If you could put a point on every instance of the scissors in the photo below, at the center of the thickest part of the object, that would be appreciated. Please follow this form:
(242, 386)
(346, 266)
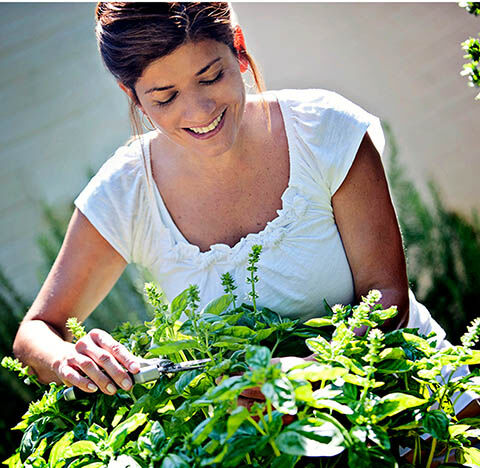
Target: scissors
(150, 370)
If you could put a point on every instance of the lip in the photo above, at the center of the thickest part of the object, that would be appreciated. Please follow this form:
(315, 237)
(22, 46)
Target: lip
(212, 133)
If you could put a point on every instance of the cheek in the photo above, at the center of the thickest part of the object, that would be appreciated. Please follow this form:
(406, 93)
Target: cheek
(233, 86)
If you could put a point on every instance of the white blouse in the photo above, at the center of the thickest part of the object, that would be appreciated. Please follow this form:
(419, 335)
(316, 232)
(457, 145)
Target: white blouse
(302, 261)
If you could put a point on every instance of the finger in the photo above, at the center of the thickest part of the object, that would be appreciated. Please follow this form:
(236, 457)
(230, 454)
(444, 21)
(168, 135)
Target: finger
(101, 362)
(93, 371)
(72, 378)
(118, 350)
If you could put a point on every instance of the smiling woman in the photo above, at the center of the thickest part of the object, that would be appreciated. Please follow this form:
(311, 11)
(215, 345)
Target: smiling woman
(293, 170)
(192, 94)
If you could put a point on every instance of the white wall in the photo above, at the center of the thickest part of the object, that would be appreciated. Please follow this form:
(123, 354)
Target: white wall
(401, 61)
(61, 112)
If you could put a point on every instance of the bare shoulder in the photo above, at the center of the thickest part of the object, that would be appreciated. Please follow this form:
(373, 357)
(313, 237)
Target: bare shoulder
(256, 110)
(160, 144)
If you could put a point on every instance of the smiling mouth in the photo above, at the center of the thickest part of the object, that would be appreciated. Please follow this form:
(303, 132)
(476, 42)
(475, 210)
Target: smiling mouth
(209, 128)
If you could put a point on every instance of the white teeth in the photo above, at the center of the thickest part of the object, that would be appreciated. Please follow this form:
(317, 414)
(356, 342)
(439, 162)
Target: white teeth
(211, 127)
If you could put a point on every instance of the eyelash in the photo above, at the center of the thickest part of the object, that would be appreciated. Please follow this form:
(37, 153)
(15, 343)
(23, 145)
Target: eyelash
(204, 82)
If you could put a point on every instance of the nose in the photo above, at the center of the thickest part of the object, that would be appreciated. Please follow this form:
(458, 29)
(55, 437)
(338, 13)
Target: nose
(199, 109)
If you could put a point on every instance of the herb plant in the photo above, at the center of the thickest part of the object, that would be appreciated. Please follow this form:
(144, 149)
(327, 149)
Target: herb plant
(364, 401)
(471, 46)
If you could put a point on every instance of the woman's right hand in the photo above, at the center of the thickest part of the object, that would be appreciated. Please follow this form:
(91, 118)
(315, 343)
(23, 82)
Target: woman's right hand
(95, 362)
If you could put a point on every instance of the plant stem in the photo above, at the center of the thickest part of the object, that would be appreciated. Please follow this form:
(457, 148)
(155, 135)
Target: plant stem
(275, 449)
(66, 418)
(365, 390)
(275, 346)
(132, 395)
(253, 294)
(210, 355)
(415, 452)
(406, 381)
(256, 426)
(447, 455)
(432, 451)
(249, 461)
(261, 418)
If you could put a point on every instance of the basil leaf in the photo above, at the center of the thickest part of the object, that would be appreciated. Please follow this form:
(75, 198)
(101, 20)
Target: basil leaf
(170, 347)
(436, 422)
(235, 420)
(218, 305)
(395, 403)
(117, 437)
(258, 357)
(174, 461)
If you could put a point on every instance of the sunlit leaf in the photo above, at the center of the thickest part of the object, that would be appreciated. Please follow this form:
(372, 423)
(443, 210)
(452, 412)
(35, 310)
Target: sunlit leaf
(235, 419)
(315, 372)
(117, 437)
(82, 447)
(394, 403)
(332, 404)
(218, 305)
(60, 446)
(170, 347)
(319, 322)
(312, 441)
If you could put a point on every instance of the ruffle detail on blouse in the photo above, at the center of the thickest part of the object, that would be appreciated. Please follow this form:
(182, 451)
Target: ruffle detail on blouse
(294, 208)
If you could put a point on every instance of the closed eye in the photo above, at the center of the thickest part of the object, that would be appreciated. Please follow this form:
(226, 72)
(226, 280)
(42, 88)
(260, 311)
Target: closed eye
(168, 101)
(205, 82)
(217, 78)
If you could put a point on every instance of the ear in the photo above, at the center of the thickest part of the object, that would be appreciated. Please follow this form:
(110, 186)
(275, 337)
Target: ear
(239, 44)
(129, 93)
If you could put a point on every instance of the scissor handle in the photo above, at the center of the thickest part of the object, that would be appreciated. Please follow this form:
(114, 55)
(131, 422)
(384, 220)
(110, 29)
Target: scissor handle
(146, 374)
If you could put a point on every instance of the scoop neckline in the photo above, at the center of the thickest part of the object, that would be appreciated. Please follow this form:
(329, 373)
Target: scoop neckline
(157, 196)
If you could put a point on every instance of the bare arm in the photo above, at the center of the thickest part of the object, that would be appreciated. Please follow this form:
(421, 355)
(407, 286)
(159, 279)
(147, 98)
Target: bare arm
(84, 272)
(368, 226)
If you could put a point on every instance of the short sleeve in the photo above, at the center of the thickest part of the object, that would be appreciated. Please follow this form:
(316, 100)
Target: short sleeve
(114, 202)
(346, 125)
(332, 128)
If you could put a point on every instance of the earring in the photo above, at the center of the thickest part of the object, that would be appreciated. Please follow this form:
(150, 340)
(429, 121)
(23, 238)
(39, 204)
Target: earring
(151, 123)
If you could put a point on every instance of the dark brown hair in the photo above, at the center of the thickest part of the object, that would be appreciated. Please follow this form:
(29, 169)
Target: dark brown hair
(131, 35)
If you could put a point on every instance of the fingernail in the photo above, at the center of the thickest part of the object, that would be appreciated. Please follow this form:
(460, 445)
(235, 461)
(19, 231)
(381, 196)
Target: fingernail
(111, 388)
(126, 384)
(92, 387)
(134, 367)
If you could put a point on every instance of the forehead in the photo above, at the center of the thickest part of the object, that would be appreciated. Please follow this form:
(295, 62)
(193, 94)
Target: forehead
(183, 63)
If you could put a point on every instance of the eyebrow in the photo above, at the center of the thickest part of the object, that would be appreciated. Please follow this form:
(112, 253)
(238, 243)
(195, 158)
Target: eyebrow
(200, 72)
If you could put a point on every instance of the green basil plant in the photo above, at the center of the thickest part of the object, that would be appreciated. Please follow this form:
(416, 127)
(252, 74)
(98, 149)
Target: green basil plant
(381, 399)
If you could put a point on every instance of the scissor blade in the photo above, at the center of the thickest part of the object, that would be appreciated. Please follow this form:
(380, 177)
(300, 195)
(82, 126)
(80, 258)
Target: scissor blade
(188, 365)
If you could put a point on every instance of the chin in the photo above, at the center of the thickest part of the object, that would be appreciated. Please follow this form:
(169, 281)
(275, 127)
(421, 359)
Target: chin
(213, 148)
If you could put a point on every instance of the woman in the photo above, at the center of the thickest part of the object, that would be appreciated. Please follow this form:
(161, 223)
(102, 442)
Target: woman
(295, 171)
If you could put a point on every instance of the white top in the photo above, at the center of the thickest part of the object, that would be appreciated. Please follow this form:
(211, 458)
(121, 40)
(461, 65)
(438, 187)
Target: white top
(303, 260)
